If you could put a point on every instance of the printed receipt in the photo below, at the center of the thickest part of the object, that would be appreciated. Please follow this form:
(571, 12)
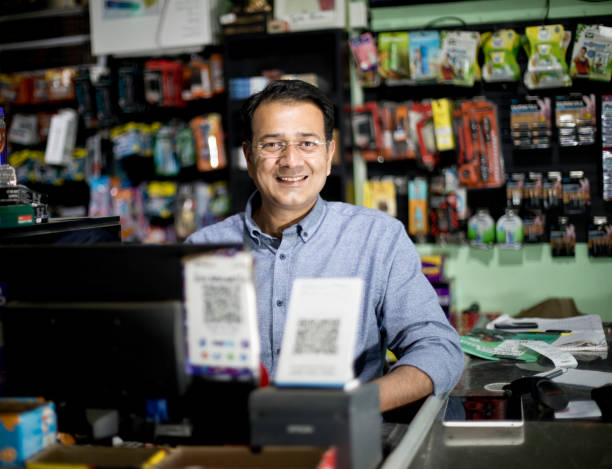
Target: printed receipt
(320, 333)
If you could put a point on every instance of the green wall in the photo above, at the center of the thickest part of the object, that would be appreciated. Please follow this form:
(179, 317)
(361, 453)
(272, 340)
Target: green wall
(509, 281)
(482, 12)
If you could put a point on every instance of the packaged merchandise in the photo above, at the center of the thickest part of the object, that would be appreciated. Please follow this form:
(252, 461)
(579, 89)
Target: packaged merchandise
(514, 191)
(509, 230)
(366, 122)
(417, 207)
(208, 137)
(481, 163)
(380, 195)
(85, 96)
(600, 237)
(530, 122)
(394, 55)
(130, 86)
(163, 83)
(104, 93)
(562, 238)
(576, 193)
(576, 120)
(500, 49)
(365, 55)
(481, 229)
(606, 142)
(421, 125)
(534, 227)
(458, 58)
(28, 426)
(533, 192)
(164, 154)
(442, 110)
(197, 79)
(216, 73)
(592, 52)
(546, 46)
(424, 55)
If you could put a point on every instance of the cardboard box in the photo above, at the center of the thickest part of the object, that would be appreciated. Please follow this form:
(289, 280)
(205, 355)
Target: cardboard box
(28, 426)
(242, 457)
(95, 457)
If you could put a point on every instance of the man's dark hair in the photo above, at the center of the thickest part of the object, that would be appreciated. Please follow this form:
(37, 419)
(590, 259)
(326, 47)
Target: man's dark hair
(289, 91)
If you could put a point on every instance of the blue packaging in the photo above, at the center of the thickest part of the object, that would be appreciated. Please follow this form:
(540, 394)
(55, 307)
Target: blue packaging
(27, 425)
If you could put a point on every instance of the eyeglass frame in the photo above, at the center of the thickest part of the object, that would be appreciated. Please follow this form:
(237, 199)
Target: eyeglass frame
(287, 144)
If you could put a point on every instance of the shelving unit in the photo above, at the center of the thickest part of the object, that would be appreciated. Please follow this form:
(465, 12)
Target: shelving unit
(320, 52)
(586, 158)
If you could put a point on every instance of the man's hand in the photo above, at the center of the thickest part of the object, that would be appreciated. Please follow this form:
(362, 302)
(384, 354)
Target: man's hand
(405, 384)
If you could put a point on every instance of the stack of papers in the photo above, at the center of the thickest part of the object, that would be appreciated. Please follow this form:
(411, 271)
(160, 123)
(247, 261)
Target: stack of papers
(526, 338)
(582, 333)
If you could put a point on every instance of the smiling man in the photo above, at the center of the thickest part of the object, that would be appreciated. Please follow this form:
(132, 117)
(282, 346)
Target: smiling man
(293, 233)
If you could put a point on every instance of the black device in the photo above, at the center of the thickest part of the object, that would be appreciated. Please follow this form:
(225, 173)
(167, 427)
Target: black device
(546, 393)
(102, 326)
(347, 419)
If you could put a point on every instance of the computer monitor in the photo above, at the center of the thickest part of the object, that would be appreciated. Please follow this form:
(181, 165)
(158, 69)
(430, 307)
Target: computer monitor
(103, 326)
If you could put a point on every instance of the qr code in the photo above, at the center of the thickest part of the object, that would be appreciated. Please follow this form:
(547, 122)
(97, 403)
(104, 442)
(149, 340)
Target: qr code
(317, 336)
(222, 303)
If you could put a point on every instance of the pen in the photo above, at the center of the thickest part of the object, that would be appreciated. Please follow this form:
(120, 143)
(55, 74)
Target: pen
(554, 373)
(517, 325)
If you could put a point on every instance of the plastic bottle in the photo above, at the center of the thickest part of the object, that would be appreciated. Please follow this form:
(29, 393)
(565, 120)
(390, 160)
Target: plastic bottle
(481, 229)
(509, 230)
(8, 177)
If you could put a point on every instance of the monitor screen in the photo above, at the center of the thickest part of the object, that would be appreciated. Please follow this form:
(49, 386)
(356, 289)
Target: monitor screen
(103, 326)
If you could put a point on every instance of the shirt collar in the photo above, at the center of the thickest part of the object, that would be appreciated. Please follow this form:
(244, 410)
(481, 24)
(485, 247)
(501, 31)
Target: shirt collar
(305, 228)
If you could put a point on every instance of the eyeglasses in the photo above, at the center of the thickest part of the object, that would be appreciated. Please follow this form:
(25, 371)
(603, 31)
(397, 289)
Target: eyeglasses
(275, 148)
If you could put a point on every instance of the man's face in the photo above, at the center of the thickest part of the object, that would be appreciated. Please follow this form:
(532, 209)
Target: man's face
(292, 181)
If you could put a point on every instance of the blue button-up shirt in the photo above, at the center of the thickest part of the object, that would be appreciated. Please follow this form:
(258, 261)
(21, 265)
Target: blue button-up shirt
(400, 310)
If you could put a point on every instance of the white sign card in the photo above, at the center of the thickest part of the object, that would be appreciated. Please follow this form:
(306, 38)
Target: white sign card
(319, 340)
(222, 332)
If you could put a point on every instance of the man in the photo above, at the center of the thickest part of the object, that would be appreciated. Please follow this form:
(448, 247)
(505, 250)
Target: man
(293, 233)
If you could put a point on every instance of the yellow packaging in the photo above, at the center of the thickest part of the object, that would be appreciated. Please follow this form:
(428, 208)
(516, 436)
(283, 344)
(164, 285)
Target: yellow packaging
(443, 123)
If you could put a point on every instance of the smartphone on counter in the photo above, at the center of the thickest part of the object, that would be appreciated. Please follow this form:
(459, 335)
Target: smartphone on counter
(480, 420)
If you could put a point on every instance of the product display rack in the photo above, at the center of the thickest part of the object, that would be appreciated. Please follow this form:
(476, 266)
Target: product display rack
(586, 158)
(322, 53)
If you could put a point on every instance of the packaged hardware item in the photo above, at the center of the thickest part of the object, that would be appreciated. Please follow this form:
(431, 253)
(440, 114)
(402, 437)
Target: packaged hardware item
(458, 58)
(592, 52)
(393, 55)
(534, 227)
(208, 136)
(576, 119)
(514, 191)
(29, 425)
(130, 87)
(365, 55)
(562, 238)
(606, 143)
(533, 191)
(600, 237)
(421, 125)
(509, 230)
(417, 207)
(530, 122)
(442, 110)
(380, 195)
(367, 131)
(197, 79)
(546, 46)
(500, 49)
(481, 163)
(576, 193)
(481, 229)
(424, 55)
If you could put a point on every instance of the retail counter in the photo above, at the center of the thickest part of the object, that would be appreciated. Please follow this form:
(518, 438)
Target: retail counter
(542, 441)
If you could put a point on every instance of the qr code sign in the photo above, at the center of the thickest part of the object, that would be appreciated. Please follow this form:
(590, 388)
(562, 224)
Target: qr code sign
(317, 336)
(222, 303)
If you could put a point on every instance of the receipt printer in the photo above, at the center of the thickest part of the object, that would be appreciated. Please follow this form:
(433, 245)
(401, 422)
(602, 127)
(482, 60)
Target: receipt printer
(349, 420)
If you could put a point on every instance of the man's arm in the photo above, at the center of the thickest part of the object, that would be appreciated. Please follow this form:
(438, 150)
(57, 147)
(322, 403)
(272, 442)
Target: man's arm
(403, 385)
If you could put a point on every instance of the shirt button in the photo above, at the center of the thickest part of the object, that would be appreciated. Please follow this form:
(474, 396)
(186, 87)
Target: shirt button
(279, 303)
(305, 234)
(282, 257)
